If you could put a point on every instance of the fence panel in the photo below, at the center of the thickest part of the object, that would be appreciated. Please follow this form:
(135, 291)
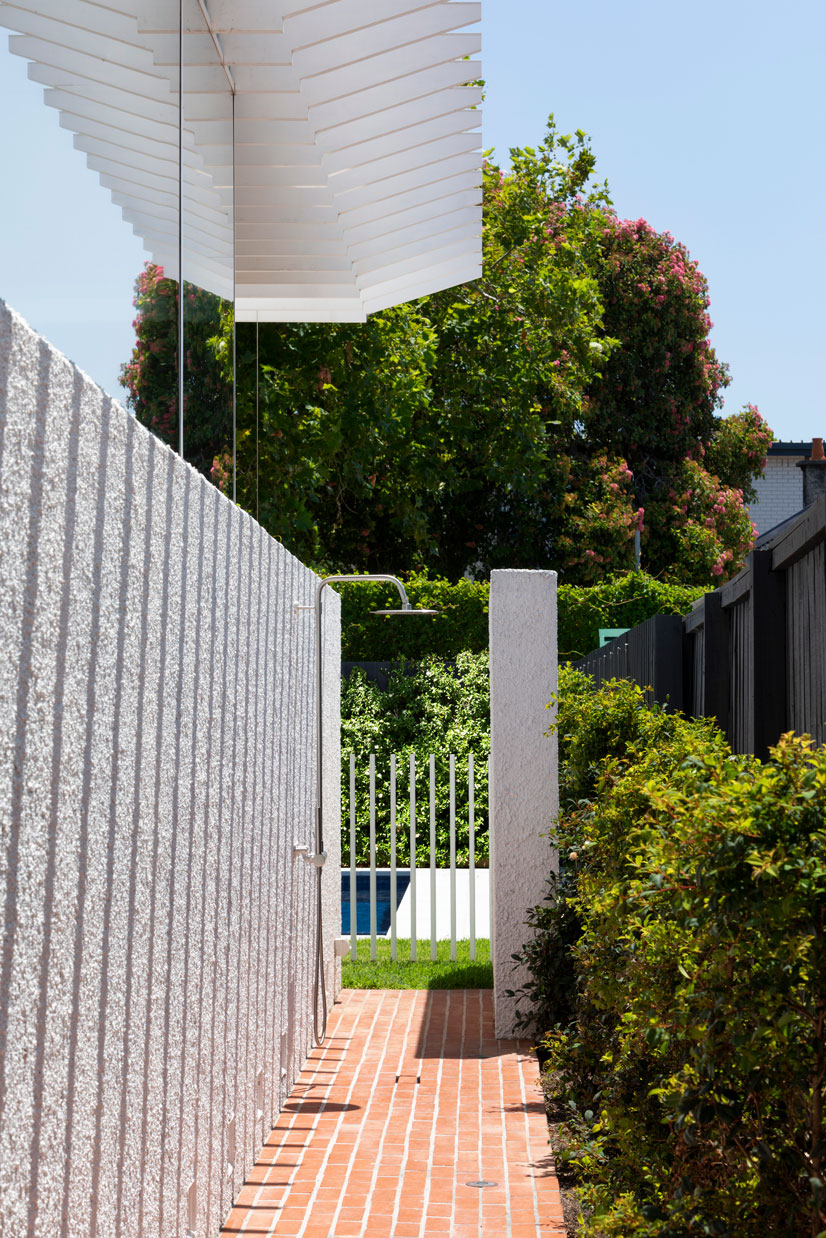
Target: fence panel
(806, 631)
(452, 857)
(655, 658)
(392, 892)
(373, 899)
(801, 555)
(393, 885)
(741, 730)
(650, 654)
(706, 660)
(696, 690)
(768, 649)
(754, 603)
(609, 662)
(433, 929)
(353, 879)
(752, 654)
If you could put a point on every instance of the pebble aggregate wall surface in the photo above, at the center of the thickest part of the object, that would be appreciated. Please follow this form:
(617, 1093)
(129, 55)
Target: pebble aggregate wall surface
(157, 753)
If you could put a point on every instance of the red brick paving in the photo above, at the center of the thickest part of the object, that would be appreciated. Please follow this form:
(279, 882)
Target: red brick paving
(410, 1098)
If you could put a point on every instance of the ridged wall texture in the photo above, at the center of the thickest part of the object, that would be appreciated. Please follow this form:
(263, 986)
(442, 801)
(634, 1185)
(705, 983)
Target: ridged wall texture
(157, 752)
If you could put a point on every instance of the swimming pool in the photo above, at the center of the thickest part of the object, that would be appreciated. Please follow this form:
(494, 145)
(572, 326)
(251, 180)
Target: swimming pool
(363, 900)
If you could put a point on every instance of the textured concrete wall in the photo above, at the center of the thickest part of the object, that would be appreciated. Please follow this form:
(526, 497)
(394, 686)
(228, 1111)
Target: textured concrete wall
(524, 785)
(779, 492)
(156, 764)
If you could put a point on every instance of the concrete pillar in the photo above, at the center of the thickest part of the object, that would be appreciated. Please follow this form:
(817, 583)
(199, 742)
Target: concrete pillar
(524, 785)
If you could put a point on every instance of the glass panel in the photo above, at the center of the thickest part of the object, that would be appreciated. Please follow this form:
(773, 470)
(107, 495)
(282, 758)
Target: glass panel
(69, 257)
(250, 388)
(148, 192)
(252, 152)
(208, 252)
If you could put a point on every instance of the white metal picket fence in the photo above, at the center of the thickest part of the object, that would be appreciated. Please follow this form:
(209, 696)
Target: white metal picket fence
(432, 872)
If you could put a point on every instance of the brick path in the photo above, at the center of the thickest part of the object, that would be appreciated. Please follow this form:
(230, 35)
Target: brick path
(411, 1098)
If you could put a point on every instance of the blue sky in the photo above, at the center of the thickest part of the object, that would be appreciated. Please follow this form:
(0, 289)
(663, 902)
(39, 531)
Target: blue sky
(707, 119)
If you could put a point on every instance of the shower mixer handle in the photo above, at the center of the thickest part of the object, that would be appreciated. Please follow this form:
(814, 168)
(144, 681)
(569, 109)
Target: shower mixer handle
(317, 860)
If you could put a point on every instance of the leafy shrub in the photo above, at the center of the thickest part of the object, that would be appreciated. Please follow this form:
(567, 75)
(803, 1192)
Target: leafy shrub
(615, 602)
(692, 916)
(439, 709)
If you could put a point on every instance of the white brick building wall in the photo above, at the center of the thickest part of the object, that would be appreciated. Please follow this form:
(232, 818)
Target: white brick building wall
(779, 493)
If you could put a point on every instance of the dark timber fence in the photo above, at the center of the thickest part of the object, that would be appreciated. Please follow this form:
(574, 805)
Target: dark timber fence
(752, 654)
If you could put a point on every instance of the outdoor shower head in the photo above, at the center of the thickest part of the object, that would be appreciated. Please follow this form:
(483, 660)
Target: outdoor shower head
(404, 610)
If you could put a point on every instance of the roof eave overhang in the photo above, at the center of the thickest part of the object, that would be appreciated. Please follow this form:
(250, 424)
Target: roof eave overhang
(331, 161)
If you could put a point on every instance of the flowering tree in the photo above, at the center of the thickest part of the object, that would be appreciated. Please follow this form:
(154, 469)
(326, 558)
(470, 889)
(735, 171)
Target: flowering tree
(737, 450)
(601, 519)
(654, 405)
(151, 374)
(656, 396)
(537, 417)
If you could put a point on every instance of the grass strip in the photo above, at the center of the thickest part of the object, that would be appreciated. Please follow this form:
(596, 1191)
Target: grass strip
(444, 973)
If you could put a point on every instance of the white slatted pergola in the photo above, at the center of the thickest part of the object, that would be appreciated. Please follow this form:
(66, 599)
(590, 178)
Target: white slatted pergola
(330, 151)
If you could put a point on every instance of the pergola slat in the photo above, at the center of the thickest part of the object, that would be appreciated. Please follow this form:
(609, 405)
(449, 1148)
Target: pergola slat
(352, 165)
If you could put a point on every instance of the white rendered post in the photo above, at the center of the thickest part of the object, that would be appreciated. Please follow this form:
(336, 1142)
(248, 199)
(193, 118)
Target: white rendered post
(524, 786)
(331, 773)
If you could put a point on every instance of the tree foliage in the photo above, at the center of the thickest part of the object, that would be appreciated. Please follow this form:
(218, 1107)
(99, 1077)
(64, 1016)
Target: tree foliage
(657, 395)
(427, 437)
(346, 452)
(151, 374)
(536, 417)
(653, 407)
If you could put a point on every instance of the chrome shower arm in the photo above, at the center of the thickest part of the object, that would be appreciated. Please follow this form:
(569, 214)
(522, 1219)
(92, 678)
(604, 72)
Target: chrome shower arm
(356, 579)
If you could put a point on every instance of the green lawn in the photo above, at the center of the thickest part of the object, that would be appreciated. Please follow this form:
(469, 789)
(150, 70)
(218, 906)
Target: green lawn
(443, 974)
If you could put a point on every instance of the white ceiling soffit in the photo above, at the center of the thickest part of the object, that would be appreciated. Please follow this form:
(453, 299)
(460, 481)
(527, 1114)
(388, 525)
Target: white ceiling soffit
(357, 140)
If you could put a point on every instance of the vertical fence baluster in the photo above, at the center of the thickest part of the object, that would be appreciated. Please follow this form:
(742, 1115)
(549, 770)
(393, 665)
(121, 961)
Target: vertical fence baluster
(353, 890)
(432, 858)
(393, 857)
(372, 857)
(412, 859)
(471, 833)
(490, 870)
(453, 857)
(471, 774)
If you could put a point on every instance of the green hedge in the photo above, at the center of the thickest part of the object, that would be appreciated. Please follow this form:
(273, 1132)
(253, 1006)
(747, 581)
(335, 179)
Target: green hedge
(688, 929)
(461, 626)
(617, 602)
(439, 709)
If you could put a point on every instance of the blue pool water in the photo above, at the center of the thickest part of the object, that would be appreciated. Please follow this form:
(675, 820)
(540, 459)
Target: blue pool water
(363, 900)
